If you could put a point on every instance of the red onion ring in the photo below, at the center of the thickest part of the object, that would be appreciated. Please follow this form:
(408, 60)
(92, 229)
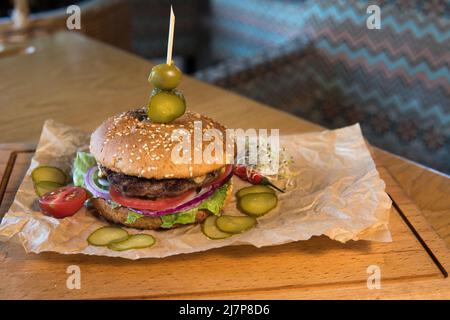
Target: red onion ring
(92, 187)
(206, 192)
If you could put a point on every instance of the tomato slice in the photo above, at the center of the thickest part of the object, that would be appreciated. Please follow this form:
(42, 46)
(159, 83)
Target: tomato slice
(164, 203)
(226, 174)
(153, 205)
(63, 202)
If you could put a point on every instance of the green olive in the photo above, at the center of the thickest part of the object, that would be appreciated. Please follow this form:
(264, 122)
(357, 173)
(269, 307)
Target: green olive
(165, 77)
(257, 204)
(155, 91)
(166, 106)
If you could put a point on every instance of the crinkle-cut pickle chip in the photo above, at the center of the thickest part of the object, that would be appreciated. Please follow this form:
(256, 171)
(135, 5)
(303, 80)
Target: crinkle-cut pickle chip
(106, 235)
(44, 187)
(257, 204)
(259, 188)
(48, 173)
(136, 241)
(209, 229)
(235, 224)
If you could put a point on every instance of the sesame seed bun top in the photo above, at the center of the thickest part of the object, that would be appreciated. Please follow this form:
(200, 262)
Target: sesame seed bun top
(132, 144)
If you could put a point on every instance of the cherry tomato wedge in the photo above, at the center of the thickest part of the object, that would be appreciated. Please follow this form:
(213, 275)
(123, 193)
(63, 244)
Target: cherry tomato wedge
(154, 205)
(63, 202)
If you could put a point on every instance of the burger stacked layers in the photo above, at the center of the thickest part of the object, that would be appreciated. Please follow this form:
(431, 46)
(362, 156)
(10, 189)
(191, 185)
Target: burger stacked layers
(146, 187)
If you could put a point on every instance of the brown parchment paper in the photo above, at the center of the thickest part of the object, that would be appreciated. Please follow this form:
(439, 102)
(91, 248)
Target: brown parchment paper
(337, 192)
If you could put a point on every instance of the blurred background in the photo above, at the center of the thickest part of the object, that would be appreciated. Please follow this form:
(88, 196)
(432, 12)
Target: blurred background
(315, 59)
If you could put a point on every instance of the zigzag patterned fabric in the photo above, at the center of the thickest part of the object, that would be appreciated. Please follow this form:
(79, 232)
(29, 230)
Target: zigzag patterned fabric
(334, 71)
(150, 21)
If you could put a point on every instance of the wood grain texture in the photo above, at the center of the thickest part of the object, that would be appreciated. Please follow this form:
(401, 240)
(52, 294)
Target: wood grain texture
(318, 268)
(80, 82)
(14, 161)
(428, 189)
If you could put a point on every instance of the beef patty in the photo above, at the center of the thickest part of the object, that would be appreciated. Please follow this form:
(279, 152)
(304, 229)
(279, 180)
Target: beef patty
(132, 186)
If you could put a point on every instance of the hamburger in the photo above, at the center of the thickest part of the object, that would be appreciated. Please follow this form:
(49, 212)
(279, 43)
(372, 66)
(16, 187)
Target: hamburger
(137, 184)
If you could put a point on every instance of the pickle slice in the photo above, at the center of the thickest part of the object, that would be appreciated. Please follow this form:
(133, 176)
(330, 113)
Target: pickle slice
(136, 241)
(209, 229)
(47, 173)
(259, 188)
(107, 235)
(235, 224)
(46, 186)
(257, 204)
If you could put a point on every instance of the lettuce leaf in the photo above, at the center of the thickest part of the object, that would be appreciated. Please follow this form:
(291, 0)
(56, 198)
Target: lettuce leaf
(82, 163)
(213, 204)
(184, 217)
(113, 204)
(132, 217)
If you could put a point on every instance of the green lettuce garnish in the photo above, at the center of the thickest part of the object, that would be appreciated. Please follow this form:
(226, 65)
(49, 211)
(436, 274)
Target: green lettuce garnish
(132, 217)
(82, 163)
(184, 217)
(114, 204)
(213, 204)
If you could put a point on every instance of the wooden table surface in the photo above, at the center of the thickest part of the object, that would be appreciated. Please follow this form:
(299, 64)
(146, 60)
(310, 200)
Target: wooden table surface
(80, 82)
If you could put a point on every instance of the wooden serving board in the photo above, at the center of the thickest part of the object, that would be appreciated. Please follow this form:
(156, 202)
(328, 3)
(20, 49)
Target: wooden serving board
(414, 265)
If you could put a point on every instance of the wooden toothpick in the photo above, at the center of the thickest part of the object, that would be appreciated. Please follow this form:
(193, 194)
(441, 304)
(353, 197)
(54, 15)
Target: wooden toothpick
(170, 41)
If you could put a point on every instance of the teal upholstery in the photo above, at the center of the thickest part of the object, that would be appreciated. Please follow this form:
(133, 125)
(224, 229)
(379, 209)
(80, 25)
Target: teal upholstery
(333, 70)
